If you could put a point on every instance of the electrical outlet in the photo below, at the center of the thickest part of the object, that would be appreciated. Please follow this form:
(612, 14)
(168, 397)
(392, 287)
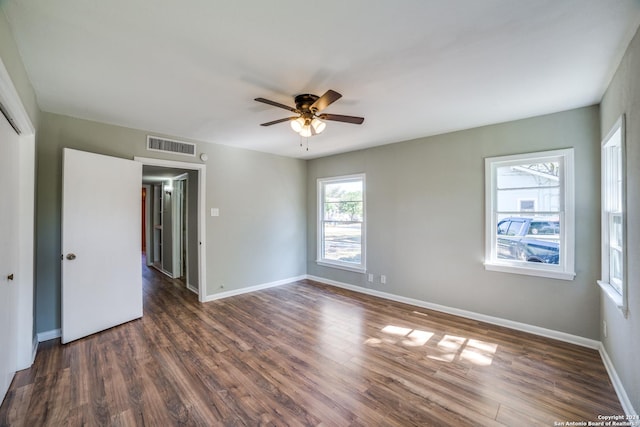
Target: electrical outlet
(370, 277)
(604, 328)
(383, 279)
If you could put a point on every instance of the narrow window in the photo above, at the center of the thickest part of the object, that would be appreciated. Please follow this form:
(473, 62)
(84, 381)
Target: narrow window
(529, 218)
(341, 222)
(613, 215)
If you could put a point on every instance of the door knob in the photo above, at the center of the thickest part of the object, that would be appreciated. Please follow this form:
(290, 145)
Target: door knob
(71, 257)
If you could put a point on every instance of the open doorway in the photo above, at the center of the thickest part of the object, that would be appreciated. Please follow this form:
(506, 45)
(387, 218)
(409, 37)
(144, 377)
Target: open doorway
(173, 220)
(170, 222)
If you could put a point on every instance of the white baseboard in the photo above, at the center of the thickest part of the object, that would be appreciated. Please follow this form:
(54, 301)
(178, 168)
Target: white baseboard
(49, 335)
(235, 292)
(549, 333)
(34, 349)
(617, 384)
(536, 330)
(163, 271)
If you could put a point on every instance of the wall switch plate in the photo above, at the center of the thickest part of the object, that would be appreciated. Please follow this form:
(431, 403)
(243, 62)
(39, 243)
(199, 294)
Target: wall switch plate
(383, 279)
(604, 328)
(370, 277)
(215, 212)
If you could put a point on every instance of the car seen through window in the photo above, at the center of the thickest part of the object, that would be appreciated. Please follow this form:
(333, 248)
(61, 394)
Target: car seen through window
(529, 239)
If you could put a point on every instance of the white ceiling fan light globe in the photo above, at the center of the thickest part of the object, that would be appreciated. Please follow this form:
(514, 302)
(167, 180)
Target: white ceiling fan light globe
(318, 125)
(297, 124)
(306, 131)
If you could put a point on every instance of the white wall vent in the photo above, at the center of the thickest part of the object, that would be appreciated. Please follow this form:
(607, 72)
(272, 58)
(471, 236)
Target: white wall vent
(170, 146)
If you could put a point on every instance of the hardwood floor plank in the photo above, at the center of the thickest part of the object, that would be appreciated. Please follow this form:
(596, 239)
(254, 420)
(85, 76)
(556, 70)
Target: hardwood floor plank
(17, 404)
(305, 390)
(45, 409)
(305, 354)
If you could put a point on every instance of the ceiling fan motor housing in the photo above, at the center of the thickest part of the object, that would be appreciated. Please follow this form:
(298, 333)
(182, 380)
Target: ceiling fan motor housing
(305, 101)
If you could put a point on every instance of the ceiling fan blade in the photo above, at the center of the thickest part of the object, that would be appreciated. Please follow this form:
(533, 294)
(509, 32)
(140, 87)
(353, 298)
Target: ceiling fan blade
(325, 100)
(279, 121)
(340, 118)
(276, 104)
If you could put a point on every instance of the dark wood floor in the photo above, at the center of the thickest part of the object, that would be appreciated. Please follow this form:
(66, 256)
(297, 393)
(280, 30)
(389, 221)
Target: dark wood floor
(305, 354)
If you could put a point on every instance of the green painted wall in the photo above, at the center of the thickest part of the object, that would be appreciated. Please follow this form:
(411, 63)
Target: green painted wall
(623, 340)
(258, 238)
(425, 221)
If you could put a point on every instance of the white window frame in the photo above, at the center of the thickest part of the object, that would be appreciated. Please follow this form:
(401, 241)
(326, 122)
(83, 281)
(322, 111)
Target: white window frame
(614, 288)
(565, 270)
(360, 268)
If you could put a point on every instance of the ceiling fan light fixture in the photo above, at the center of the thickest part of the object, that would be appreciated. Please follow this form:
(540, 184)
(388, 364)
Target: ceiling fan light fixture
(306, 131)
(309, 121)
(297, 124)
(318, 125)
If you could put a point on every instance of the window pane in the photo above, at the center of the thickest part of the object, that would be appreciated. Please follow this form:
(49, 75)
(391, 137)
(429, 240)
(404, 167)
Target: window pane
(343, 201)
(342, 241)
(615, 251)
(343, 191)
(528, 239)
(528, 187)
(528, 175)
(343, 211)
(547, 199)
(615, 231)
(613, 177)
(615, 267)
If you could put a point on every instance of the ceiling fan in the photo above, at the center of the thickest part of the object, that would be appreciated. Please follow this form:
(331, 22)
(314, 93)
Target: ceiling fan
(308, 122)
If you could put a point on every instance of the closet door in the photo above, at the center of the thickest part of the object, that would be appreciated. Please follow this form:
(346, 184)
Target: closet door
(8, 247)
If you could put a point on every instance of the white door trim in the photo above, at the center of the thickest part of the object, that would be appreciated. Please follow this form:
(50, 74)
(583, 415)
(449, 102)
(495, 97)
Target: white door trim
(13, 104)
(26, 345)
(202, 247)
(148, 220)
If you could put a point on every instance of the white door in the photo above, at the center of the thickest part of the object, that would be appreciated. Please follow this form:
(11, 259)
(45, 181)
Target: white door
(101, 232)
(8, 248)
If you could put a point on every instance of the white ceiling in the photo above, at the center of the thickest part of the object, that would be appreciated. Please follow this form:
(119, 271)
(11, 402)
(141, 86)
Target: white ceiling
(412, 68)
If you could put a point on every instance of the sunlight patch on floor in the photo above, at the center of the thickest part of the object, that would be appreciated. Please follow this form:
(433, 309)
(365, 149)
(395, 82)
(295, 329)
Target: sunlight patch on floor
(448, 349)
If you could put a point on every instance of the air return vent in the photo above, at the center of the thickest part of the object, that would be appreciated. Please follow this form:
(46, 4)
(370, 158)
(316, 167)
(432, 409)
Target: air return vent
(170, 146)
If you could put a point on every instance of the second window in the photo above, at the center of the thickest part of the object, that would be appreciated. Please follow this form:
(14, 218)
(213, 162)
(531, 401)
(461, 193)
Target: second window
(341, 222)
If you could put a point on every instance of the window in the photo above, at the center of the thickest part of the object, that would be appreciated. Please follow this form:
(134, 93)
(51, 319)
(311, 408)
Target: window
(613, 215)
(341, 222)
(530, 214)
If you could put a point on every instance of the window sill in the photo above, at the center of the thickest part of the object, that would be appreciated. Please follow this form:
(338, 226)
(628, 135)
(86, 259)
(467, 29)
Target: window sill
(355, 269)
(613, 295)
(562, 275)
